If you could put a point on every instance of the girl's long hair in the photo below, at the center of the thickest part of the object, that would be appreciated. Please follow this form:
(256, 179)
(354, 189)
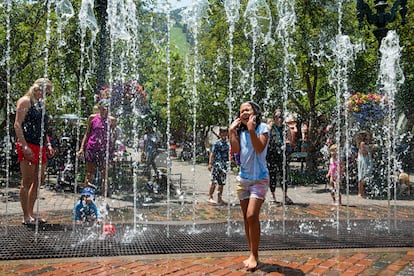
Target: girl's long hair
(257, 112)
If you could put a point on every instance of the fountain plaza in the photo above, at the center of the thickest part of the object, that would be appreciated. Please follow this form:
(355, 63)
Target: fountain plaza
(370, 237)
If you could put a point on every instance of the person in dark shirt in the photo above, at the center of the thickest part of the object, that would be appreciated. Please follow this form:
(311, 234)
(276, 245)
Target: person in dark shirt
(32, 145)
(274, 157)
(217, 165)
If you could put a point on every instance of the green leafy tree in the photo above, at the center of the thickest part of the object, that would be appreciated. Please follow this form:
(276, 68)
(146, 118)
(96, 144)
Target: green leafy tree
(405, 96)
(309, 89)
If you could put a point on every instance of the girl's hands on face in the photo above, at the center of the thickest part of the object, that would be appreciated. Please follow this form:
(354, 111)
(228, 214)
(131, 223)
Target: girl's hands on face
(235, 124)
(247, 116)
(246, 111)
(251, 123)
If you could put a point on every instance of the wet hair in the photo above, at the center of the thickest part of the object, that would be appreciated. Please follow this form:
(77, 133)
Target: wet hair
(223, 130)
(333, 148)
(256, 111)
(104, 102)
(40, 84)
(105, 93)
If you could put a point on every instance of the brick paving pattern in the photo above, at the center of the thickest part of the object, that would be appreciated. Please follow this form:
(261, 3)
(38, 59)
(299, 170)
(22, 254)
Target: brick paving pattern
(309, 203)
(347, 262)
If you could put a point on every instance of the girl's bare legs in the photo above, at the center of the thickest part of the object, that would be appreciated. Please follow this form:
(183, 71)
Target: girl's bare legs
(103, 180)
(220, 194)
(34, 188)
(251, 210)
(361, 189)
(90, 171)
(211, 192)
(29, 186)
(332, 190)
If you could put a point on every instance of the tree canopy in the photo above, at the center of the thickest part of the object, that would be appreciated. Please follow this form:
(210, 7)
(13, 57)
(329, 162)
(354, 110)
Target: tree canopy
(268, 68)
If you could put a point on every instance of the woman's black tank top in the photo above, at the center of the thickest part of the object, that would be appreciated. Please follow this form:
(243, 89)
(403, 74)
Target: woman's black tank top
(32, 125)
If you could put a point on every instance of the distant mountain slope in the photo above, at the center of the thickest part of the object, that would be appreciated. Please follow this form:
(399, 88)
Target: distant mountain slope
(179, 39)
(179, 35)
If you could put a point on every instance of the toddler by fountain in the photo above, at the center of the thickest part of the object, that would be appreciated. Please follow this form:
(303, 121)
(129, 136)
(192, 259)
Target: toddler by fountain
(334, 174)
(85, 208)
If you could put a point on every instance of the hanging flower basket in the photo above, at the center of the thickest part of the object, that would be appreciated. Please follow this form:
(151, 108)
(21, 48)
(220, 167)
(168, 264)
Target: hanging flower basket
(367, 108)
(124, 93)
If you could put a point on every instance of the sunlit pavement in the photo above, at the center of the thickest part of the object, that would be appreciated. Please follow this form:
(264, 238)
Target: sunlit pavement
(309, 201)
(389, 261)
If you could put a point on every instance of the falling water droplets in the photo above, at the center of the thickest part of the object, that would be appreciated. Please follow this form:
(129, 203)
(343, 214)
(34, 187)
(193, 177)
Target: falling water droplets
(117, 15)
(87, 19)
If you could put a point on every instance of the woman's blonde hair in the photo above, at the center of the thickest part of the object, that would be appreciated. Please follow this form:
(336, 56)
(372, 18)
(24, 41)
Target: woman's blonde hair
(333, 148)
(40, 84)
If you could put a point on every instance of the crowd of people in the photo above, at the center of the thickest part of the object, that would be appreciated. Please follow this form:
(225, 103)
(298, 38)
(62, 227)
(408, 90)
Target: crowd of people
(34, 147)
(261, 151)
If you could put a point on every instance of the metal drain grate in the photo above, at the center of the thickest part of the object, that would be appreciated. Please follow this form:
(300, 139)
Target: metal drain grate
(58, 241)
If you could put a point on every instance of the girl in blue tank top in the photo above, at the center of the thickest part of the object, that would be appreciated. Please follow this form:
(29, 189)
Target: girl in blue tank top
(249, 139)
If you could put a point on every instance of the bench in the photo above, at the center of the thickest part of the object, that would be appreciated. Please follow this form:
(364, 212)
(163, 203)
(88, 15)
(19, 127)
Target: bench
(298, 157)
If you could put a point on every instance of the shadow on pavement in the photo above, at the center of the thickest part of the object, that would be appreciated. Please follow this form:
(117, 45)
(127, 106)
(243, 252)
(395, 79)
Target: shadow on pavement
(268, 268)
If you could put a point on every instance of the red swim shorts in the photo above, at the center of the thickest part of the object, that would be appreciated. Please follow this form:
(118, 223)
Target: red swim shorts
(36, 153)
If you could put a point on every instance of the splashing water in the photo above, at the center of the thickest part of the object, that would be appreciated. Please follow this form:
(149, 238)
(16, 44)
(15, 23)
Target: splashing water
(192, 16)
(8, 105)
(87, 18)
(64, 12)
(391, 73)
(390, 76)
(259, 16)
(284, 31)
(232, 8)
(117, 17)
(343, 55)
(124, 24)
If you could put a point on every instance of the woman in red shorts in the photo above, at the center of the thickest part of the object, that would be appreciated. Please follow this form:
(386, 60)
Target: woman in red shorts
(33, 145)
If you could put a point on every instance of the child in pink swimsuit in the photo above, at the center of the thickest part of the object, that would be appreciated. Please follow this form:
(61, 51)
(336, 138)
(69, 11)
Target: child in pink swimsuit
(334, 174)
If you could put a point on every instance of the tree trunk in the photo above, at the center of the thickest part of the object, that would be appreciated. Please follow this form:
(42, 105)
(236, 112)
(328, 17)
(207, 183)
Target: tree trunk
(312, 157)
(101, 8)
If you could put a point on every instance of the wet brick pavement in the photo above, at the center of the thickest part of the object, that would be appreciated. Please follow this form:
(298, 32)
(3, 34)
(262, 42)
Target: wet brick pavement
(388, 261)
(365, 261)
